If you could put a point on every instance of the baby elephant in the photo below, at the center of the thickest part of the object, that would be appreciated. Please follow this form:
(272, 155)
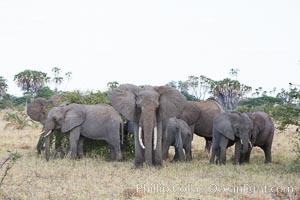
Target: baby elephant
(261, 135)
(180, 136)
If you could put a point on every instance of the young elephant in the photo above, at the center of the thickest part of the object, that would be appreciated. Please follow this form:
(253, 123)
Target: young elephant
(180, 136)
(261, 135)
(230, 128)
(98, 122)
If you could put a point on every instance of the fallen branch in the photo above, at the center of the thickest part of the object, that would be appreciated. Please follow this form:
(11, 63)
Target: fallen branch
(10, 160)
(10, 157)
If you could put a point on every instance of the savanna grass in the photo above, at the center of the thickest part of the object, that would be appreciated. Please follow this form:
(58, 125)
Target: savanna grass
(96, 178)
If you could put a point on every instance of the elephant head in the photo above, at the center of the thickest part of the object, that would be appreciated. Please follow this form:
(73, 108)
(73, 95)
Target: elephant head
(235, 126)
(149, 108)
(63, 118)
(259, 123)
(36, 110)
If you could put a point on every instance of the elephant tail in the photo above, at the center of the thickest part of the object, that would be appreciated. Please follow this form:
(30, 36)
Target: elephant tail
(122, 133)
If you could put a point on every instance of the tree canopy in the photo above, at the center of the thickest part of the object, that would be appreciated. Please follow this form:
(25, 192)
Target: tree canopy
(30, 81)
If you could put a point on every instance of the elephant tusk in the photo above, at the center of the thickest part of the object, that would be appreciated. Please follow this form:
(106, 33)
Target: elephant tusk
(250, 143)
(42, 132)
(49, 132)
(241, 141)
(155, 138)
(140, 138)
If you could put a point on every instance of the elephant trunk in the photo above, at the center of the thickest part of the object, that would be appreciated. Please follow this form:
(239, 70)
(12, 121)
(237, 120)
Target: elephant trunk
(245, 144)
(150, 134)
(49, 126)
(47, 145)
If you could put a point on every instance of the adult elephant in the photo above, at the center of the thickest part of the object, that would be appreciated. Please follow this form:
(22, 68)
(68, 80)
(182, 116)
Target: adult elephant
(97, 122)
(261, 135)
(37, 111)
(199, 116)
(149, 108)
(179, 135)
(230, 128)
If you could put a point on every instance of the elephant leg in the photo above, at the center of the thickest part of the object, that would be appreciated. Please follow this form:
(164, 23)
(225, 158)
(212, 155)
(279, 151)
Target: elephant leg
(158, 159)
(47, 144)
(115, 152)
(222, 153)
(214, 151)
(188, 151)
(207, 144)
(74, 138)
(176, 155)
(246, 157)
(166, 148)
(138, 151)
(180, 153)
(112, 153)
(237, 152)
(80, 147)
(268, 153)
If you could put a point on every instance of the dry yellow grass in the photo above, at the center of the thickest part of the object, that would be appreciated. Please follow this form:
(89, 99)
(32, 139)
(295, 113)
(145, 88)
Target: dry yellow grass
(34, 178)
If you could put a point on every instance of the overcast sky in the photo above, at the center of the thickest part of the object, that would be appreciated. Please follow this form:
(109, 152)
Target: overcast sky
(151, 42)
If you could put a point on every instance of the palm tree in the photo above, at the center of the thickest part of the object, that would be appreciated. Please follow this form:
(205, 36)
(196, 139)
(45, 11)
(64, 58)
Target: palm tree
(31, 81)
(57, 79)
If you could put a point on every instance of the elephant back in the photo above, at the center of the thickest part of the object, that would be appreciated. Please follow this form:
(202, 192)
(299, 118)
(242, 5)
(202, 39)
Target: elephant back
(209, 110)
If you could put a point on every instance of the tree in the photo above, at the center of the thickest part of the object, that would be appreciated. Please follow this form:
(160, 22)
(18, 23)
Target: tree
(31, 81)
(3, 86)
(199, 86)
(45, 92)
(233, 72)
(68, 76)
(228, 92)
(112, 85)
(182, 86)
(57, 79)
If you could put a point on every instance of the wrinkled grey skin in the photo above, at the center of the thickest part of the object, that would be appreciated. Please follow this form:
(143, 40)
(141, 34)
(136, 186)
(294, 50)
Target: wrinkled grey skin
(230, 128)
(180, 136)
(37, 111)
(97, 122)
(261, 135)
(148, 107)
(199, 116)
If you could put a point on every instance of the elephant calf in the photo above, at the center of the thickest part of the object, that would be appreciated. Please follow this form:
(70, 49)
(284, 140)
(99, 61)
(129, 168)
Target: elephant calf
(180, 136)
(230, 128)
(261, 135)
(97, 122)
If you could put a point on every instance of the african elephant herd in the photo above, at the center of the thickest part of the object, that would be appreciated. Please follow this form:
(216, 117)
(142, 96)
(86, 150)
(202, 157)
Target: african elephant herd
(159, 117)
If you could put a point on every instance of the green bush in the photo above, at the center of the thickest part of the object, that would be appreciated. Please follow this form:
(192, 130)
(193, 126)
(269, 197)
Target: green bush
(85, 98)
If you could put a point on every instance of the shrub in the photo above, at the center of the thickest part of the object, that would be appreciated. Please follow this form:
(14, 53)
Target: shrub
(18, 119)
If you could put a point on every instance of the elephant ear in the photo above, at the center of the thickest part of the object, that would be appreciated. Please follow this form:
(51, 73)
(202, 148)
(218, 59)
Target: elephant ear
(259, 122)
(36, 110)
(53, 100)
(171, 102)
(123, 99)
(74, 116)
(223, 124)
(190, 113)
